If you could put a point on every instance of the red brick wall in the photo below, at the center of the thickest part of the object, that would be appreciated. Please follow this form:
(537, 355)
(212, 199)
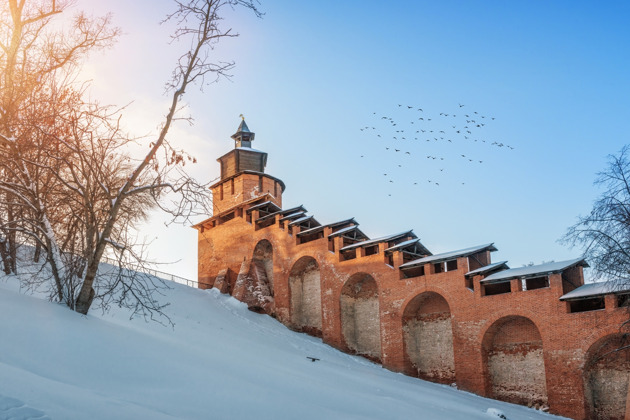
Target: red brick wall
(566, 337)
(246, 187)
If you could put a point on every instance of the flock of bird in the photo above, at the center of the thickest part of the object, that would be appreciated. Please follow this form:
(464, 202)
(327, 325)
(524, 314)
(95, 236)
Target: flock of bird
(413, 133)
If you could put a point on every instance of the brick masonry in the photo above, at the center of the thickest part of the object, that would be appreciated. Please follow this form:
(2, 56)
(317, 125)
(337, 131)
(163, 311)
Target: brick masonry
(523, 346)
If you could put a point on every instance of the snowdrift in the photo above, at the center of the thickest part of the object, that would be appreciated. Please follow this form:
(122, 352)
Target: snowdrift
(220, 361)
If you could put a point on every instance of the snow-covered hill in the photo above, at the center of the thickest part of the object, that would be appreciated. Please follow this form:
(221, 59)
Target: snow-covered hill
(219, 362)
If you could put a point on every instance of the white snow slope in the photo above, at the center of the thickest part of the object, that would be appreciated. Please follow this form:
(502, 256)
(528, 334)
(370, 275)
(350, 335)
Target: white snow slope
(219, 362)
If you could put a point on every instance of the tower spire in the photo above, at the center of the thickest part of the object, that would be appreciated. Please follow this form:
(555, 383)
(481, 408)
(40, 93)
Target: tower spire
(243, 136)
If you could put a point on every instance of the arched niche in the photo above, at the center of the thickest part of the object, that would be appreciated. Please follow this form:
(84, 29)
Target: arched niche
(360, 320)
(306, 296)
(606, 376)
(263, 260)
(428, 338)
(513, 356)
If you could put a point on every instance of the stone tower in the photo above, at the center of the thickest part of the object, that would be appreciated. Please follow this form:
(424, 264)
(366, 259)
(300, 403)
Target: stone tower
(243, 176)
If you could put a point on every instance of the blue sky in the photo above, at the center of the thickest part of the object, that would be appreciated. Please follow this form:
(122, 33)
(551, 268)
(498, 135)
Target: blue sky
(310, 75)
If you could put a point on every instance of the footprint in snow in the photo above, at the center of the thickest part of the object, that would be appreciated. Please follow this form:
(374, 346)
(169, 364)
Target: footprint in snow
(496, 413)
(14, 409)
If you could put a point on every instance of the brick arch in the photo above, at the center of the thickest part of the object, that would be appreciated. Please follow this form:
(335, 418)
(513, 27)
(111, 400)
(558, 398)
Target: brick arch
(606, 377)
(305, 294)
(360, 317)
(263, 258)
(428, 338)
(514, 366)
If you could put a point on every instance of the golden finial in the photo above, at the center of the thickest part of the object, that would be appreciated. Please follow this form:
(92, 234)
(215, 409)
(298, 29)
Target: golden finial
(242, 117)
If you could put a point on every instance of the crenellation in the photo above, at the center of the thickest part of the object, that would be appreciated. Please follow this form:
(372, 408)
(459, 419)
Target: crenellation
(534, 335)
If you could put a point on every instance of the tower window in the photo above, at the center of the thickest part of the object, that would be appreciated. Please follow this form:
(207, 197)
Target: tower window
(221, 192)
(260, 183)
(232, 184)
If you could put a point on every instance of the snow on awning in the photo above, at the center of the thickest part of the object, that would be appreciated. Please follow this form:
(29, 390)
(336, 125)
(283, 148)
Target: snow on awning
(304, 219)
(412, 243)
(597, 289)
(330, 225)
(249, 149)
(487, 268)
(377, 240)
(263, 205)
(292, 216)
(534, 270)
(344, 230)
(282, 212)
(351, 233)
(449, 255)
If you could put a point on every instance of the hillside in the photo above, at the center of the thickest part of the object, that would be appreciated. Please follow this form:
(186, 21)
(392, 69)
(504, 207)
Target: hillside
(219, 362)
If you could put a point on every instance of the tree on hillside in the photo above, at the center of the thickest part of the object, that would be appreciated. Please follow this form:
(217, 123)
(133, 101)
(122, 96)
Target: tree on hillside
(604, 233)
(68, 166)
(31, 54)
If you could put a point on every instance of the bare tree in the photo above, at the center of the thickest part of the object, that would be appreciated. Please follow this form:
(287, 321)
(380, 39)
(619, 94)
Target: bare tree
(604, 233)
(198, 21)
(31, 53)
(69, 170)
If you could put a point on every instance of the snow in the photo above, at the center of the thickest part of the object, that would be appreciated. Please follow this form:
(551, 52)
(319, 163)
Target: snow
(547, 268)
(219, 361)
(293, 215)
(249, 149)
(496, 413)
(377, 240)
(449, 255)
(344, 230)
(485, 268)
(11, 139)
(597, 289)
(10, 408)
(300, 220)
(403, 244)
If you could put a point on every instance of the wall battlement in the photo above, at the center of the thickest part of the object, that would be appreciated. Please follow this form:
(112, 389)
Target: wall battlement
(533, 335)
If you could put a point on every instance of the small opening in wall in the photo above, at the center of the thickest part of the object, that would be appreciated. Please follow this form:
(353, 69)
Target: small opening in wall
(451, 265)
(413, 272)
(585, 305)
(536, 283)
(496, 288)
(221, 192)
(348, 255)
(260, 183)
(312, 237)
(331, 244)
(470, 283)
(266, 223)
(389, 259)
(438, 268)
(371, 250)
(227, 217)
(232, 185)
(623, 301)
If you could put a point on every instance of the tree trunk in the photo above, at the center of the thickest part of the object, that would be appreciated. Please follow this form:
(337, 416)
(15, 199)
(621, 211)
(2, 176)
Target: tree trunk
(84, 301)
(38, 252)
(12, 241)
(4, 253)
(86, 294)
